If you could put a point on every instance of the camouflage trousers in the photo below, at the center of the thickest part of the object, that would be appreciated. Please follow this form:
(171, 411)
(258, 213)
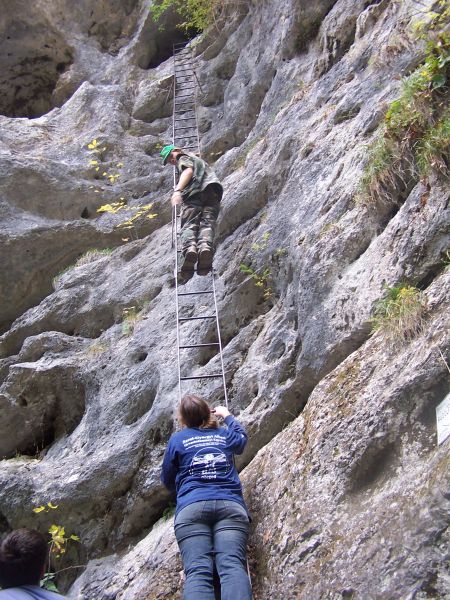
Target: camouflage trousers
(198, 220)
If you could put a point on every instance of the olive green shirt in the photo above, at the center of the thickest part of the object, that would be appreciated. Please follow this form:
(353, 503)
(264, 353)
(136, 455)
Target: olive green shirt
(202, 177)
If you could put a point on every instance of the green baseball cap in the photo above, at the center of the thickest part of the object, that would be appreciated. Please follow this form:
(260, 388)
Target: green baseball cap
(166, 151)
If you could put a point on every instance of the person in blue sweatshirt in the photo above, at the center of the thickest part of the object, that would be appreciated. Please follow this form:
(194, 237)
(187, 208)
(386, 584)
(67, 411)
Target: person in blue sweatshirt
(23, 555)
(211, 518)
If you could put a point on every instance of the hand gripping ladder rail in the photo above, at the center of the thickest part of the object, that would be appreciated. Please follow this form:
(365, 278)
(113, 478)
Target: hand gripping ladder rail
(186, 136)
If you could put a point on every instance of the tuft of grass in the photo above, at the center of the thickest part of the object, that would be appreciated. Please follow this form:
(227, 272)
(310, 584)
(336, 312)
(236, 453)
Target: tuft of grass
(433, 150)
(131, 316)
(415, 135)
(88, 257)
(400, 314)
(169, 511)
(97, 348)
(58, 276)
(91, 255)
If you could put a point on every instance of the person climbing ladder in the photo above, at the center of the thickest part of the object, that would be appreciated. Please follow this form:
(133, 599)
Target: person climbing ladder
(211, 519)
(199, 191)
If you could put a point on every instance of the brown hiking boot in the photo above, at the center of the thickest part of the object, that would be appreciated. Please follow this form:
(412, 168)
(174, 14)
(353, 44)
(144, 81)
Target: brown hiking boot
(189, 260)
(205, 260)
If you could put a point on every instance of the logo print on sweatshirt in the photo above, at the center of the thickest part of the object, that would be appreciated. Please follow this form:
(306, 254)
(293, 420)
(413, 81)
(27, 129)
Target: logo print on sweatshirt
(209, 463)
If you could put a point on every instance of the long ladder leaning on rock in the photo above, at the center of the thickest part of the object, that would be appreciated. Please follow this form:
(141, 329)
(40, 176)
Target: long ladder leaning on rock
(186, 136)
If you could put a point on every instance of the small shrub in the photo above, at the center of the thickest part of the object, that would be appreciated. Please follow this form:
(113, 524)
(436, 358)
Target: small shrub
(262, 245)
(197, 15)
(262, 280)
(58, 545)
(399, 315)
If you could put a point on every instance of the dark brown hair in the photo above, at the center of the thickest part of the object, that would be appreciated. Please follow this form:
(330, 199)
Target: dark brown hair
(195, 412)
(22, 558)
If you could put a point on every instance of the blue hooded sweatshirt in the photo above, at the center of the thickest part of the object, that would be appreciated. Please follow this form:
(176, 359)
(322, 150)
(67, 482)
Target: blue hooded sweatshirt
(199, 465)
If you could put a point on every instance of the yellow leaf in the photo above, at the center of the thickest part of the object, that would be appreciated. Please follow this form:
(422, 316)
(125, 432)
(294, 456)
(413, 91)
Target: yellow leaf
(39, 509)
(74, 537)
(125, 239)
(97, 168)
(119, 165)
(54, 506)
(104, 174)
(105, 208)
(93, 162)
(152, 216)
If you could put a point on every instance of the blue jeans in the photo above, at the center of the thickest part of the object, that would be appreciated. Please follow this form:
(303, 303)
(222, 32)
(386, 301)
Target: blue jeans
(208, 531)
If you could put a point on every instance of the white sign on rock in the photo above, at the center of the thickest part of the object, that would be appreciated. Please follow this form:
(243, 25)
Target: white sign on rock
(443, 419)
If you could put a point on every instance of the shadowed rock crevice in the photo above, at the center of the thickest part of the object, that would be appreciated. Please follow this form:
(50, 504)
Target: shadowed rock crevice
(39, 406)
(33, 55)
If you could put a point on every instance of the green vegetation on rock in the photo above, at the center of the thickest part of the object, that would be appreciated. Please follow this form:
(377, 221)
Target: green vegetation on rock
(399, 315)
(415, 137)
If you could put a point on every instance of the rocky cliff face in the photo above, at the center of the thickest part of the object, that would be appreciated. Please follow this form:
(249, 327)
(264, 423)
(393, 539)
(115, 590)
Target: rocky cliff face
(343, 475)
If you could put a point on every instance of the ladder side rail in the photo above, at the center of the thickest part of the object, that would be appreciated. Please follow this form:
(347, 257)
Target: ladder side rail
(177, 315)
(219, 339)
(174, 236)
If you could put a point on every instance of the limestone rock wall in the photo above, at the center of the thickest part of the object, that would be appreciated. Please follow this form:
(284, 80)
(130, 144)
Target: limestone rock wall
(342, 473)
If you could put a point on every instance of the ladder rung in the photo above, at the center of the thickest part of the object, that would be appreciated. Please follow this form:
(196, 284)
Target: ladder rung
(195, 293)
(183, 96)
(202, 377)
(187, 127)
(185, 119)
(197, 318)
(199, 345)
(188, 139)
